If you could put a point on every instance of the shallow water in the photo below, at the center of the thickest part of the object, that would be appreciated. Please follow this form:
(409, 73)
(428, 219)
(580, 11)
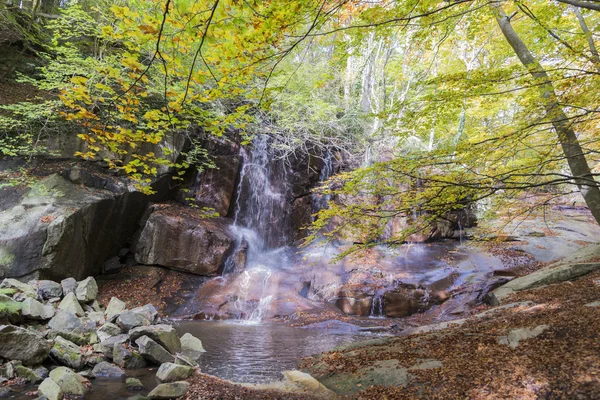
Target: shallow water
(258, 353)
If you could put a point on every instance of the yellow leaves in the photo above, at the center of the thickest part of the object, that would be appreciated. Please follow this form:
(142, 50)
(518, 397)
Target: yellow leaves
(79, 80)
(131, 62)
(148, 30)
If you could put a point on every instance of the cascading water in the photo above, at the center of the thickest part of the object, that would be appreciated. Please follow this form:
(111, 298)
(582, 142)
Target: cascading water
(260, 224)
(320, 201)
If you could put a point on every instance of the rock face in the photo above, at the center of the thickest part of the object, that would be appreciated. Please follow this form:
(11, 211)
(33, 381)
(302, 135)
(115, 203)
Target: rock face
(21, 344)
(355, 301)
(61, 229)
(196, 245)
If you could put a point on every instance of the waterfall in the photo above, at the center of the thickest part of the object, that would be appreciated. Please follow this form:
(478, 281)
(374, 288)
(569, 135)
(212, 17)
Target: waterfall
(320, 201)
(261, 224)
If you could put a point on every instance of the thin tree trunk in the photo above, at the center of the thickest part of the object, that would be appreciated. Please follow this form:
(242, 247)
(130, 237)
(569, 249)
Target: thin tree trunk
(588, 37)
(566, 135)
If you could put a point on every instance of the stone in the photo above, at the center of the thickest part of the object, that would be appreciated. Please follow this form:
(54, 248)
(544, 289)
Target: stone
(50, 389)
(97, 317)
(114, 308)
(153, 351)
(21, 344)
(87, 374)
(163, 334)
(167, 391)
(9, 308)
(129, 319)
(107, 370)
(71, 304)
(66, 321)
(307, 383)
(191, 343)
(189, 358)
(138, 397)
(47, 289)
(41, 371)
(356, 300)
(107, 345)
(126, 358)
(94, 306)
(68, 285)
(148, 311)
(108, 330)
(197, 245)
(552, 274)
(111, 266)
(405, 300)
(170, 372)
(87, 290)
(67, 353)
(515, 336)
(20, 286)
(33, 309)
(134, 384)
(70, 383)
(28, 374)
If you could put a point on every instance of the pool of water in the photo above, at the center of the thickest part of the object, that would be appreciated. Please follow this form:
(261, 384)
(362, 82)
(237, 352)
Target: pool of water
(257, 353)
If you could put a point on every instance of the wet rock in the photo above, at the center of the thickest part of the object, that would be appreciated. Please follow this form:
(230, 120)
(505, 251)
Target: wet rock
(134, 384)
(406, 300)
(47, 289)
(70, 303)
(67, 353)
(356, 300)
(163, 334)
(33, 309)
(167, 391)
(153, 351)
(114, 308)
(68, 381)
(87, 290)
(50, 389)
(197, 245)
(108, 330)
(21, 344)
(307, 383)
(516, 335)
(28, 374)
(191, 343)
(129, 319)
(66, 321)
(107, 370)
(68, 285)
(169, 372)
(126, 358)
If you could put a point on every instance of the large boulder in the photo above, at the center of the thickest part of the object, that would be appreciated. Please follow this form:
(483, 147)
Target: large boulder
(108, 330)
(50, 390)
(66, 321)
(406, 300)
(47, 289)
(21, 344)
(129, 319)
(126, 358)
(61, 229)
(163, 334)
(191, 343)
(153, 351)
(197, 244)
(356, 300)
(214, 187)
(107, 370)
(87, 290)
(33, 309)
(71, 304)
(170, 372)
(167, 391)
(70, 383)
(114, 308)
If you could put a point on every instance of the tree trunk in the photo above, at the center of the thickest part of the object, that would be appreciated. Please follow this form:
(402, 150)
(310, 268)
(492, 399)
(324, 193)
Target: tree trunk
(566, 135)
(588, 37)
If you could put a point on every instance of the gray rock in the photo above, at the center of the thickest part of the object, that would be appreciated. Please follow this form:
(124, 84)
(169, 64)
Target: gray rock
(138, 397)
(126, 358)
(163, 334)
(70, 383)
(94, 306)
(41, 371)
(50, 389)
(188, 358)
(68, 285)
(134, 384)
(171, 390)
(114, 308)
(20, 286)
(129, 319)
(67, 353)
(97, 317)
(148, 311)
(516, 335)
(47, 289)
(153, 351)
(70, 303)
(76, 338)
(106, 347)
(111, 266)
(66, 321)
(24, 345)
(169, 372)
(107, 370)
(87, 290)
(108, 330)
(33, 309)
(192, 343)
(28, 374)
